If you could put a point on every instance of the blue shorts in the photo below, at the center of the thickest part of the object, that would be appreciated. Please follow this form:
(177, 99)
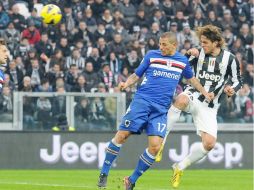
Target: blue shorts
(143, 115)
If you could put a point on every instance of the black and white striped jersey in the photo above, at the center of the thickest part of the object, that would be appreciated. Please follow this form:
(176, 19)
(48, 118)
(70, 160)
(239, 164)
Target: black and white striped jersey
(214, 72)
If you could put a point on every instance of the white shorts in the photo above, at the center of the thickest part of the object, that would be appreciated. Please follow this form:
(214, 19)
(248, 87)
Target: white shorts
(204, 117)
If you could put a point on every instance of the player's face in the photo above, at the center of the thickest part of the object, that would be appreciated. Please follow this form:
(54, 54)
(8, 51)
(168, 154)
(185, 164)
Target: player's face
(4, 54)
(166, 47)
(207, 45)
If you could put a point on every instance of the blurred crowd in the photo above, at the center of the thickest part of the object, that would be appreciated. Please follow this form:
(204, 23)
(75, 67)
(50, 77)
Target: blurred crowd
(100, 43)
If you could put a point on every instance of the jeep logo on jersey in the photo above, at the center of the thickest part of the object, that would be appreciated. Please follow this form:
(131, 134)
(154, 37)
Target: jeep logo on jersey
(209, 76)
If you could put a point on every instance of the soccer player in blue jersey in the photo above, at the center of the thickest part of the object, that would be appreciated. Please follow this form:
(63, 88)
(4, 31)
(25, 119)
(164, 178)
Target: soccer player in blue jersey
(162, 70)
(4, 54)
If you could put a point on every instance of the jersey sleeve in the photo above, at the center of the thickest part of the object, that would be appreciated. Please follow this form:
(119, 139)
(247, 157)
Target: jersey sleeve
(187, 72)
(143, 65)
(235, 74)
(1, 79)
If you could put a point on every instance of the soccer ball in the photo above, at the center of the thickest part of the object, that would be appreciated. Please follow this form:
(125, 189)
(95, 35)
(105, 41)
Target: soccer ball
(51, 14)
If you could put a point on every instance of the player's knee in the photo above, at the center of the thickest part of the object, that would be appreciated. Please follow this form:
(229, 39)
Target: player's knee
(121, 137)
(154, 149)
(209, 144)
(181, 101)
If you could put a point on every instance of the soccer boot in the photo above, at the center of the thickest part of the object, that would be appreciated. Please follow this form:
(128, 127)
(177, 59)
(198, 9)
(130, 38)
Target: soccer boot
(102, 182)
(177, 174)
(127, 184)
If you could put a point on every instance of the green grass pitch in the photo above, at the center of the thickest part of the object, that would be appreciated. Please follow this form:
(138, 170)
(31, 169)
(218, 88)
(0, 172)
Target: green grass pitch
(151, 180)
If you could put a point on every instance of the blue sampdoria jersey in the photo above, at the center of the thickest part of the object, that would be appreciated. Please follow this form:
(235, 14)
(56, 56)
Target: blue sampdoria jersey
(162, 74)
(1, 79)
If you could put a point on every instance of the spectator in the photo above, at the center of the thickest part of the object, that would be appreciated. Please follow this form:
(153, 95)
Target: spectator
(118, 46)
(82, 33)
(246, 36)
(132, 60)
(6, 105)
(26, 85)
(11, 36)
(9, 83)
(228, 21)
(168, 7)
(212, 19)
(31, 33)
(82, 114)
(215, 6)
(35, 73)
(63, 45)
(62, 124)
(75, 59)
(128, 10)
(44, 46)
(149, 7)
(34, 17)
(44, 86)
(57, 58)
(90, 76)
(68, 18)
(106, 19)
(44, 110)
(89, 20)
(18, 19)
(80, 85)
(107, 77)
(115, 64)
(72, 75)
(198, 19)
(22, 49)
(95, 59)
(102, 32)
(98, 6)
(54, 74)
(16, 75)
(159, 17)
(103, 48)
(4, 18)
(186, 6)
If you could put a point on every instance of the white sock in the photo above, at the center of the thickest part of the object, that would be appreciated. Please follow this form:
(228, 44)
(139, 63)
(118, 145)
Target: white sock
(172, 117)
(196, 153)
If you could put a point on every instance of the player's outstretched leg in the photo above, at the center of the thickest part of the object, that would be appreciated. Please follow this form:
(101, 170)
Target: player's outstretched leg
(144, 163)
(196, 153)
(127, 184)
(111, 154)
(177, 174)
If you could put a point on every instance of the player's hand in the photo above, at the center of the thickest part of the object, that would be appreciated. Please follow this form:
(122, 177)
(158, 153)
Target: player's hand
(229, 90)
(122, 86)
(193, 51)
(209, 96)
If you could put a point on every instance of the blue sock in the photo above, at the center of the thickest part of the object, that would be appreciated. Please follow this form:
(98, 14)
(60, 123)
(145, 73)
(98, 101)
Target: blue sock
(111, 154)
(144, 163)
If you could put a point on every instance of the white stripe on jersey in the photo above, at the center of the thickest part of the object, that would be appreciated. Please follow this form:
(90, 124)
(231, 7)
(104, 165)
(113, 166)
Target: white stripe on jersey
(201, 59)
(223, 68)
(166, 67)
(234, 74)
(167, 61)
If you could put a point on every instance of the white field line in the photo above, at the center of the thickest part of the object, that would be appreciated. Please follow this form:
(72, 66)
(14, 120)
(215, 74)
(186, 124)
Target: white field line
(67, 186)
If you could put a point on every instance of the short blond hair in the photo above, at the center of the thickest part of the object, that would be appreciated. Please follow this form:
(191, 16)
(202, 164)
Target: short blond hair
(171, 37)
(212, 33)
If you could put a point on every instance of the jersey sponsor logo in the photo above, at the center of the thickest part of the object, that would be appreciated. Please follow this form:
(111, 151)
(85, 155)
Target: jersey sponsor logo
(166, 74)
(209, 76)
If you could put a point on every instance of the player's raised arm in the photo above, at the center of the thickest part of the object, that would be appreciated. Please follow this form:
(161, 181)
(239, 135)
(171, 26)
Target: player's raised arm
(196, 84)
(132, 79)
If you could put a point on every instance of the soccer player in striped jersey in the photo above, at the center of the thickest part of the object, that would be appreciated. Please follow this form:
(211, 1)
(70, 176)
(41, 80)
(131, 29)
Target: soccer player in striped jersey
(213, 66)
(148, 110)
(4, 54)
